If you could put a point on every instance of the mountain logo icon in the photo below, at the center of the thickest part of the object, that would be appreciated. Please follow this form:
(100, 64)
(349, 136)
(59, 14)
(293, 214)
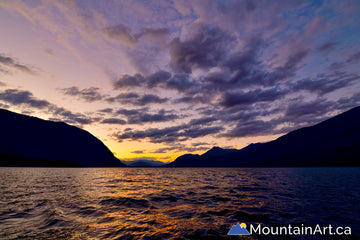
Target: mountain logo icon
(238, 229)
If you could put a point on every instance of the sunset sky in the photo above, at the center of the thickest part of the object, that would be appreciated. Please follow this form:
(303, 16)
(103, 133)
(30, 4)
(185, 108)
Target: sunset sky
(157, 79)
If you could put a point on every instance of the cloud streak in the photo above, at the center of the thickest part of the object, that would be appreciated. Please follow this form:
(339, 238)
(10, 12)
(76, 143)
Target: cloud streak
(11, 63)
(88, 94)
(168, 135)
(133, 98)
(19, 97)
(141, 116)
(26, 99)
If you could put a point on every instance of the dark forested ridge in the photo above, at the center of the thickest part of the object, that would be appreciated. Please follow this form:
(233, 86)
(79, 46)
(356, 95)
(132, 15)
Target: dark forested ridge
(30, 141)
(334, 142)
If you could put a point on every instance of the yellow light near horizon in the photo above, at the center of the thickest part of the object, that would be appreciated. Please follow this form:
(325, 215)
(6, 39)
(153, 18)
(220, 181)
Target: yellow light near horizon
(126, 150)
(243, 225)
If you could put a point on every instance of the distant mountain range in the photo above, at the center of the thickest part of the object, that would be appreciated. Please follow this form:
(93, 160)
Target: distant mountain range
(334, 142)
(30, 141)
(143, 163)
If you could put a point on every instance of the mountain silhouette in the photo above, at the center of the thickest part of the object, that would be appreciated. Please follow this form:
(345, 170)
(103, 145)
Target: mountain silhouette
(30, 141)
(334, 142)
(143, 163)
(218, 152)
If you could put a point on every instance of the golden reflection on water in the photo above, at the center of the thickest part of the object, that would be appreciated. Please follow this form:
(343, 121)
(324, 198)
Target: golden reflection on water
(159, 202)
(145, 203)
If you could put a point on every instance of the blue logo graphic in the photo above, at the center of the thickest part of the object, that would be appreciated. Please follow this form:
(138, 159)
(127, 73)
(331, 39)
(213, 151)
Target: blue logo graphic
(238, 229)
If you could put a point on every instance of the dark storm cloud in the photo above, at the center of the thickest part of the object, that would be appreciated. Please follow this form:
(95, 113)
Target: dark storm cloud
(205, 48)
(20, 97)
(123, 97)
(163, 79)
(195, 98)
(250, 128)
(12, 63)
(157, 78)
(326, 83)
(137, 100)
(155, 135)
(327, 47)
(106, 110)
(220, 79)
(239, 69)
(247, 98)
(180, 82)
(148, 99)
(202, 121)
(169, 134)
(140, 116)
(161, 116)
(126, 81)
(129, 112)
(243, 68)
(113, 121)
(235, 70)
(90, 94)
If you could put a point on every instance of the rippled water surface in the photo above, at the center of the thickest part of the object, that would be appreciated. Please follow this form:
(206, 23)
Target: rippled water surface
(154, 203)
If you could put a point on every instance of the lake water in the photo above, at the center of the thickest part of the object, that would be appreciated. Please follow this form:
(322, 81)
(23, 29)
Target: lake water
(160, 203)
